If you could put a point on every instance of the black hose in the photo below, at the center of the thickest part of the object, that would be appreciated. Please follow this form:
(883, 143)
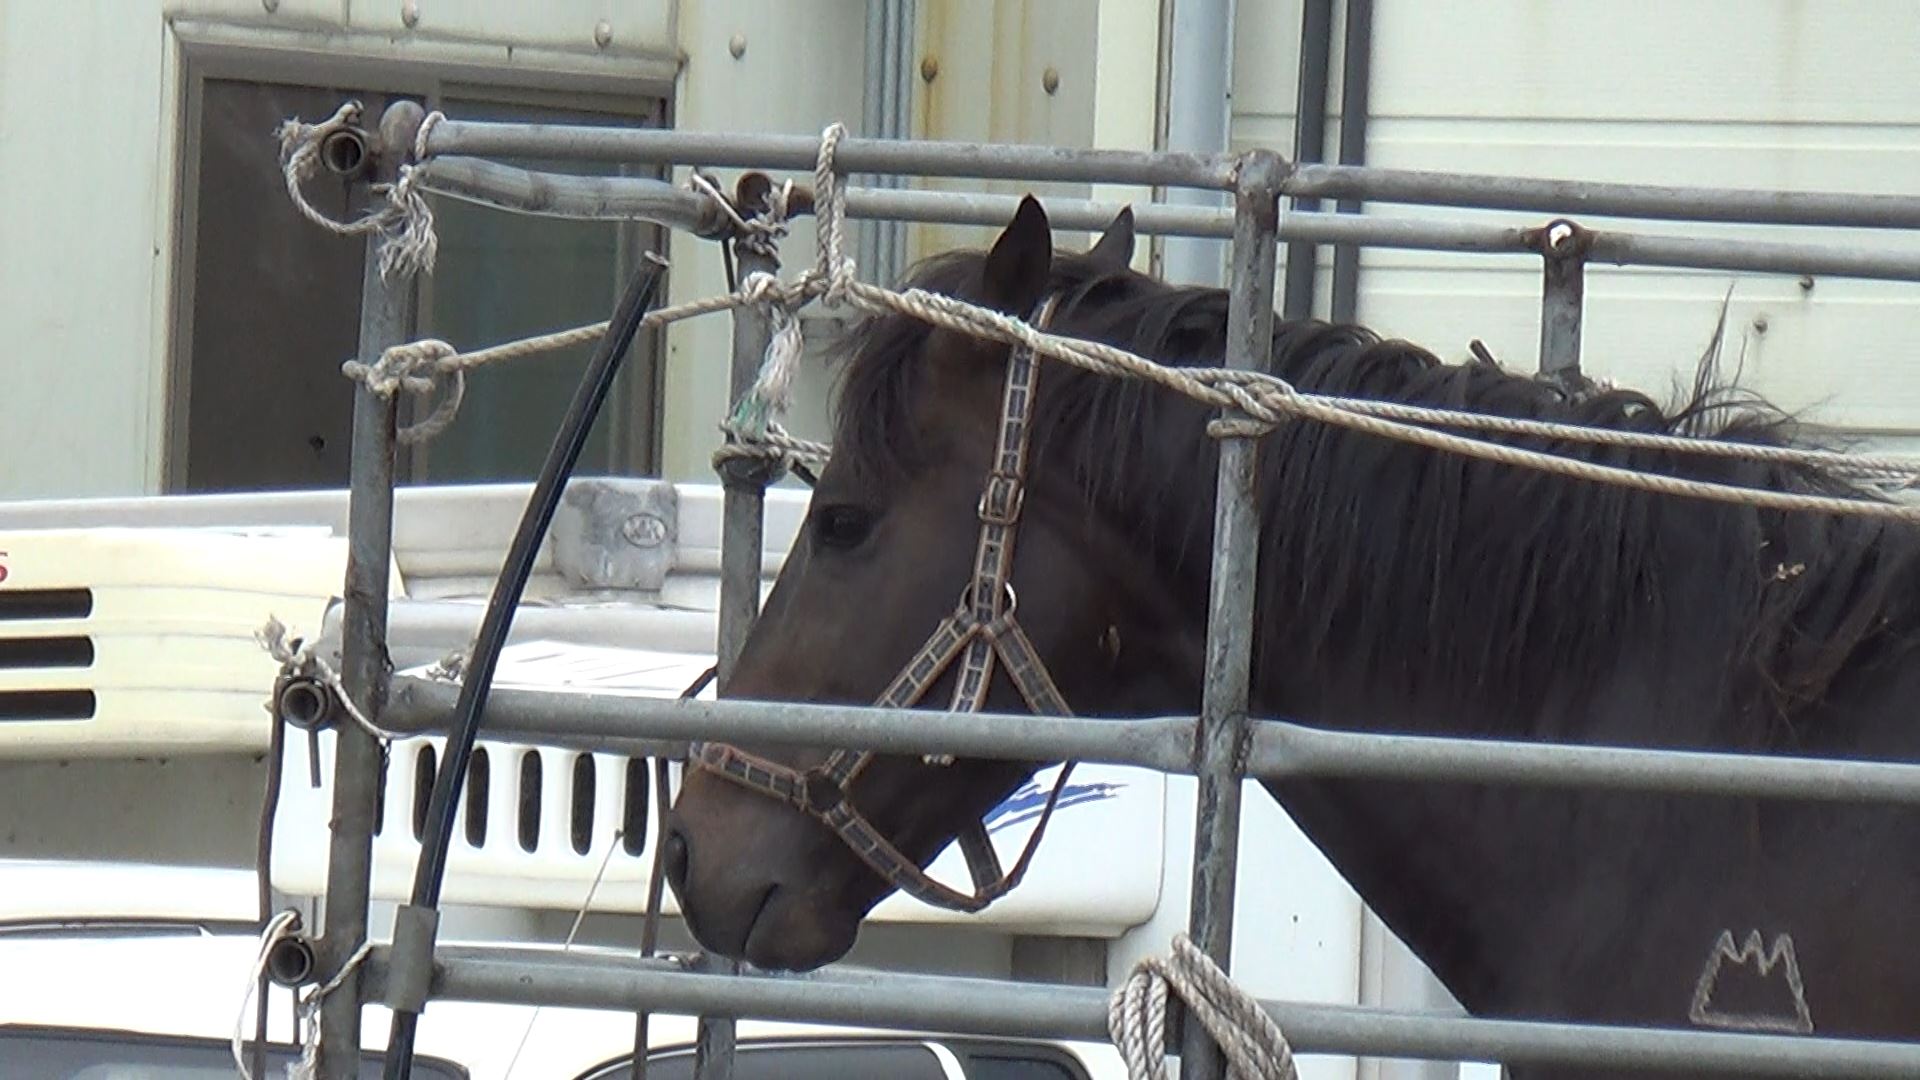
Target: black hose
(477, 681)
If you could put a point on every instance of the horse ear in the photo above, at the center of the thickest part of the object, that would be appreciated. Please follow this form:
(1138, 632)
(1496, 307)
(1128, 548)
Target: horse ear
(1018, 265)
(1114, 250)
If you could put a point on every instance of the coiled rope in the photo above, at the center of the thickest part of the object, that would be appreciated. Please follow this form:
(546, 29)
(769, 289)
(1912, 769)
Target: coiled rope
(1250, 1040)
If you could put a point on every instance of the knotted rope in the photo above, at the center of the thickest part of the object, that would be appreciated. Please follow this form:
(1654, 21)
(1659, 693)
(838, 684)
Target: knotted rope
(307, 1068)
(406, 221)
(299, 658)
(1251, 1041)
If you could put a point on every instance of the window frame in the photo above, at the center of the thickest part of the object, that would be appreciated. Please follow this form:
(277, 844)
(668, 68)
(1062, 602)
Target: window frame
(307, 58)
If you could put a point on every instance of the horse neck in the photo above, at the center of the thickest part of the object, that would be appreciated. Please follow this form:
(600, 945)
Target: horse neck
(1452, 593)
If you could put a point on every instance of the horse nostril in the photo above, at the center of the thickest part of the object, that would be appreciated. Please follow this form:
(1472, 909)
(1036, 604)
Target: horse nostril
(673, 849)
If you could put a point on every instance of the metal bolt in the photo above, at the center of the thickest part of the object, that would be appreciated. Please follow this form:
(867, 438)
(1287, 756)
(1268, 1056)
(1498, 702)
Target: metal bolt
(271, 5)
(603, 33)
(410, 13)
(1759, 324)
(1559, 234)
(929, 68)
(737, 45)
(1806, 282)
(1050, 80)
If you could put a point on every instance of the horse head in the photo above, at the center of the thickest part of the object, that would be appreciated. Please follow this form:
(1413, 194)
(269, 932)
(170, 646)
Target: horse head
(937, 567)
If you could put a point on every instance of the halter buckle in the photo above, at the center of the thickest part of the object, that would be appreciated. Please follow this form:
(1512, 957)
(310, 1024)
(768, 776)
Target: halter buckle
(1001, 499)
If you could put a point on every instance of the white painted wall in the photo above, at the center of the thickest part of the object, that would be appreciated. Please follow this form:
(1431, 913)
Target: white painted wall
(1747, 93)
(81, 208)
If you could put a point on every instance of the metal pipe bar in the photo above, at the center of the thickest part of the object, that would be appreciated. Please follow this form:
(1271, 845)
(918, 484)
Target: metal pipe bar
(386, 319)
(1563, 298)
(1649, 201)
(1198, 117)
(1309, 145)
(631, 723)
(566, 195)
(1356, 83)
(1278, 748)
(1773, 257)
(1003, 161)
(977, 161)
(1044, 1011)
(1220, 737)
(743, 510)
(631, 198)
(1281, 749)
(995, 211)
(742, 533)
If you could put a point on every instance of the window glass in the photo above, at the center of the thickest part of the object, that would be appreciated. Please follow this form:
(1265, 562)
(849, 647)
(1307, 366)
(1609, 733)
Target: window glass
(505, 276)
(271, 305)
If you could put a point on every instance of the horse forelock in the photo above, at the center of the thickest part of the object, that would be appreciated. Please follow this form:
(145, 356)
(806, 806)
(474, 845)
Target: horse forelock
(1429, 575)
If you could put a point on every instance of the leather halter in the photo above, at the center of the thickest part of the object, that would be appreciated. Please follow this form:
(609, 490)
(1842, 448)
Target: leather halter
(980, 630)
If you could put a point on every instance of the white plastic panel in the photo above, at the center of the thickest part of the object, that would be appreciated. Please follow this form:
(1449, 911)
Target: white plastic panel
(169, 619)
(1077, 884)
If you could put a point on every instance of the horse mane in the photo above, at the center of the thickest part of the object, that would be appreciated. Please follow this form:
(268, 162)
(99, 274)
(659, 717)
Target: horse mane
(1428, 575)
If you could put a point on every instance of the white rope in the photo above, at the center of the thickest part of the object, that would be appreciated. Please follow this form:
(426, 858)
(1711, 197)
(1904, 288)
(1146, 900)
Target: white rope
(307, 1067)
(304, 660)
(410, 245)
(1271, 400)
(1250, 1040)
(277, 930)
(573, 932)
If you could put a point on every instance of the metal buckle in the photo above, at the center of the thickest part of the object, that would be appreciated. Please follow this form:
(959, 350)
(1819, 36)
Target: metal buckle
(1002, 499)
(972, 601)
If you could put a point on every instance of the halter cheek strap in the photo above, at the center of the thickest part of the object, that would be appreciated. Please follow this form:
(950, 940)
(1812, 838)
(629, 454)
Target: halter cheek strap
(981, 630)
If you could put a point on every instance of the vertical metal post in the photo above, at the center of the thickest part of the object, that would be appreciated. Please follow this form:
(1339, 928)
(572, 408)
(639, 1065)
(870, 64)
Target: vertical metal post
(745, 482)
(1221, 741)
(1199, 104)
(1356, 80)
(887, 113)
(1563, 291)
(386, 319)
(742, 539)
(1309, 144)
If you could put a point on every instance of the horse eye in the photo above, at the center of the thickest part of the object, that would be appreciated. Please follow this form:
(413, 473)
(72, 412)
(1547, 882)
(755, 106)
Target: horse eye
(841, 526)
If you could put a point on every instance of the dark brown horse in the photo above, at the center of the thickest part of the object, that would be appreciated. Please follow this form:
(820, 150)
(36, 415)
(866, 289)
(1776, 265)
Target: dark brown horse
(1400, 590)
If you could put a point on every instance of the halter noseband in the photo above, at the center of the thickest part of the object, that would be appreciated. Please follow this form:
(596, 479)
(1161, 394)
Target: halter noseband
(982, 628)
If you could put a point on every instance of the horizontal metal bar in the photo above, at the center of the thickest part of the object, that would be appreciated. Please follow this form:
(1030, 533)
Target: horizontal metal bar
(1279, 748)
(636, 198)
(551, 194)
(1007, 161)
(1767, 256)
(617, 722)
(979, 161)
(1032, 1010)
(1488, 192)
(995, 211)
(1283, 749)
(1371, 230)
